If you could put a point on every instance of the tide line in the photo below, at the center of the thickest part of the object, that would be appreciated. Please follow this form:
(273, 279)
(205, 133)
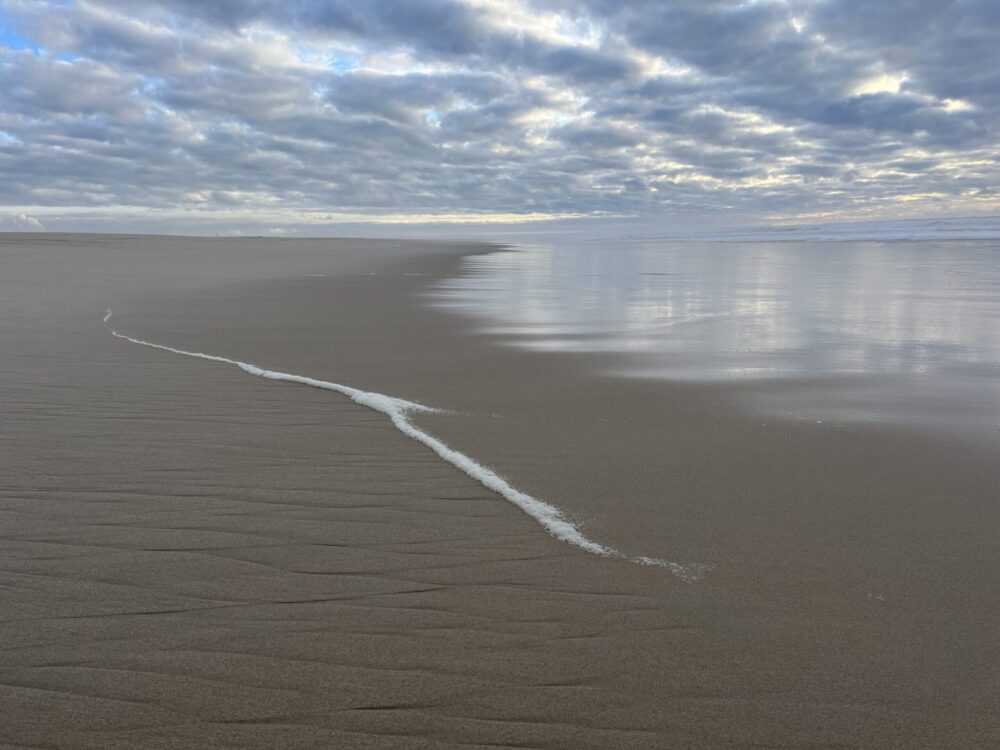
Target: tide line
(551, 518)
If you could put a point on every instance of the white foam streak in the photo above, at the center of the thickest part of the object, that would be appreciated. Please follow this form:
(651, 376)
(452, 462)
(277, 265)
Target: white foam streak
(551, 518)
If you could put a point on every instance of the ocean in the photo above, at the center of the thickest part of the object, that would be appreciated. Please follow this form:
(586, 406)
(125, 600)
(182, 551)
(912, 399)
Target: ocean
(895, 332)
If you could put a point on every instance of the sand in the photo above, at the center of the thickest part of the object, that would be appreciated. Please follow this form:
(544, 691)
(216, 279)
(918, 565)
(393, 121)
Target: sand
(196, 557)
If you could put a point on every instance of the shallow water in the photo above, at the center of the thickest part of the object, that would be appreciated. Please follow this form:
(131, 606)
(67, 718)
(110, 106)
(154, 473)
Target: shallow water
(896, 332)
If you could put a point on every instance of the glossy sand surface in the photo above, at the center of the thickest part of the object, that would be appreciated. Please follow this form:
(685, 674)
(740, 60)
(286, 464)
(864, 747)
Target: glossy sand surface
(902, 332)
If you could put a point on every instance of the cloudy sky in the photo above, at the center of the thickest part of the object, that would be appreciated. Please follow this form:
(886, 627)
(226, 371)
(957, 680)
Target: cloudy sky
(299, 114)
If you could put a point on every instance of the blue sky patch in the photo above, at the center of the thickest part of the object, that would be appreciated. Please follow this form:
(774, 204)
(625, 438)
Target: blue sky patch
(343, 63)
(12, 40)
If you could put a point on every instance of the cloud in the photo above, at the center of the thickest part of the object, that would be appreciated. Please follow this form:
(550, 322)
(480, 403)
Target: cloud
(20, 223)
(483, 107)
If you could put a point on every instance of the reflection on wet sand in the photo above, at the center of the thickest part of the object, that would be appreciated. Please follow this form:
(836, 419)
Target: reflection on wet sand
(895, 332)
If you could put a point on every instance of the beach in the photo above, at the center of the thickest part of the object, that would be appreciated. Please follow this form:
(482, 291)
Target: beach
(196, 556)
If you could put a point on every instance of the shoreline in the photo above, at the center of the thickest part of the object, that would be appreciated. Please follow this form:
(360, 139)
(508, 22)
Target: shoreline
(201, 558)
(552, 519)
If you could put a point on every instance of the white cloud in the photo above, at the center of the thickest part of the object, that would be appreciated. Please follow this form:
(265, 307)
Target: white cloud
(883, 83)
(20, 223)
(438, 109)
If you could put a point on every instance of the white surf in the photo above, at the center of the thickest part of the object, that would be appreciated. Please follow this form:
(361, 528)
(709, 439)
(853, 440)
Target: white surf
(551, 518)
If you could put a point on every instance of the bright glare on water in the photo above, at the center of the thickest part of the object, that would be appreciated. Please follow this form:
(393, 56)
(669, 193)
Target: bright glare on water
(892, 331)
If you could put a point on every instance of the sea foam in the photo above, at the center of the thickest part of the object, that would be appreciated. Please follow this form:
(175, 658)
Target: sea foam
(551, 518)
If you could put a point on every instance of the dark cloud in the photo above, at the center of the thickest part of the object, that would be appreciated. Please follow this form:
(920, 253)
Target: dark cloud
(309, 107)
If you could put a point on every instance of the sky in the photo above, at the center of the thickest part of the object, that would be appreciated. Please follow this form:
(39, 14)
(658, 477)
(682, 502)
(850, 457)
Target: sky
(308, 116)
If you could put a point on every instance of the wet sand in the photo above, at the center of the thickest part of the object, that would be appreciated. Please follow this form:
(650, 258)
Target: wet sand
(195, 557)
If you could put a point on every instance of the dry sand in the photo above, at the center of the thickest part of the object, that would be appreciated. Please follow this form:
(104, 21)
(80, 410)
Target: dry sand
(195, 557)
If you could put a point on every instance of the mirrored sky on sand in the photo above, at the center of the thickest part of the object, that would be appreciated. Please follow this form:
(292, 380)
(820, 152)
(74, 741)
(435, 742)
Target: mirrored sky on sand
(900, 331)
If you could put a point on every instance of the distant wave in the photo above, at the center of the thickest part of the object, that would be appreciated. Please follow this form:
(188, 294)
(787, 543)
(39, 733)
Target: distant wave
(914, 230)
(551, 518)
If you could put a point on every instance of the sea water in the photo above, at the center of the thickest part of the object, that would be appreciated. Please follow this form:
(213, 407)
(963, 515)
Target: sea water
(885, 331)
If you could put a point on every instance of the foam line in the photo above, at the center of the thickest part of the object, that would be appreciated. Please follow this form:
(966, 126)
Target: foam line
(550, 517)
